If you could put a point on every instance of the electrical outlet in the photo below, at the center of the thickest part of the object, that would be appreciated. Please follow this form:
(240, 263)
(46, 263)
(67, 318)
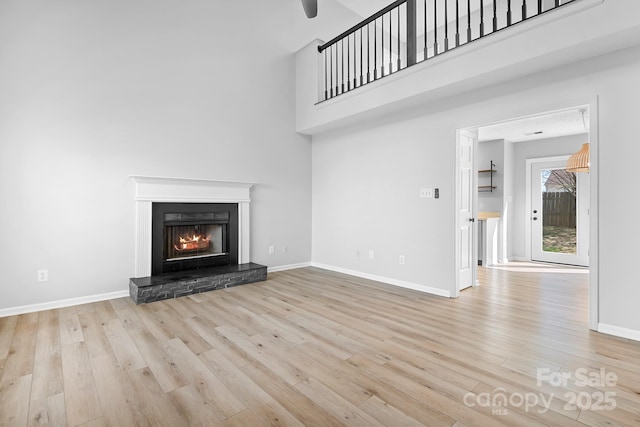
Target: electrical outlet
(401, 259)
(285, 249)
(43, 275)
(371, 254)
(272, 250)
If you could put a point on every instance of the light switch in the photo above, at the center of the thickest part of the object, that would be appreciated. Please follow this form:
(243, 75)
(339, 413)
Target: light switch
(426, 193)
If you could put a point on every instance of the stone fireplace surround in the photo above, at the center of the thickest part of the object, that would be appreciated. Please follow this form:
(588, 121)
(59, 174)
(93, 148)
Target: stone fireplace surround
(150, 189)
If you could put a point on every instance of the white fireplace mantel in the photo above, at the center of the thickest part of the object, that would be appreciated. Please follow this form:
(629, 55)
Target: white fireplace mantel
(150, 189)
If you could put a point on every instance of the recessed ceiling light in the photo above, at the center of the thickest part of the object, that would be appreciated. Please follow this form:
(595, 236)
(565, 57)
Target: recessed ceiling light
(538, 132)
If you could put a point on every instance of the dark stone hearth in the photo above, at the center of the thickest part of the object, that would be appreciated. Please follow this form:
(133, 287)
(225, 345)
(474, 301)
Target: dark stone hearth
(173, 285)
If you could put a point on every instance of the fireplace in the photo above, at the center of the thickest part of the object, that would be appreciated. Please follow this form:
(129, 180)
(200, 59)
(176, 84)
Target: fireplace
(196, 231)
(189, 236)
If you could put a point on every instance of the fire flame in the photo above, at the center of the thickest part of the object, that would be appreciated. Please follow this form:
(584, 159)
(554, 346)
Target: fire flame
(195, 238)
(196, 241)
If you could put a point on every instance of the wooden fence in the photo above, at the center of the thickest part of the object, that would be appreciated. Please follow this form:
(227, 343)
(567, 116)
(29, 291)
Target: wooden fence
(559, 209)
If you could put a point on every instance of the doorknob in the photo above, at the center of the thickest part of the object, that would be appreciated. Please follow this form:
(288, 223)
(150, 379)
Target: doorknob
(472, 220)
(535, 211)
(535, 218)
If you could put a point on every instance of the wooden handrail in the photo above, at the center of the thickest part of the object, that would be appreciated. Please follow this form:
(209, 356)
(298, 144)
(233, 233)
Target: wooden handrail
(361, 24)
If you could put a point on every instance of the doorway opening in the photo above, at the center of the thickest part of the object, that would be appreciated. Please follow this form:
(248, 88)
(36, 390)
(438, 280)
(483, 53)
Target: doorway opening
(534, 217)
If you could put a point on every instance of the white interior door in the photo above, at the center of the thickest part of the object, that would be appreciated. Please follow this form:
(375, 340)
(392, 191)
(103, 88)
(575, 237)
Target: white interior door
(467, 255)
(559, 214)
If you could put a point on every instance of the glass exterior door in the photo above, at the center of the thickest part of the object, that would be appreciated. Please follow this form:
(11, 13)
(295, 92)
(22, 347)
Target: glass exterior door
(559, 214)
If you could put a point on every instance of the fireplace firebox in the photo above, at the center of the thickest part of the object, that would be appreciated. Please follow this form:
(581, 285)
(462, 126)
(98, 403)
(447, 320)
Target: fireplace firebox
(189, 236)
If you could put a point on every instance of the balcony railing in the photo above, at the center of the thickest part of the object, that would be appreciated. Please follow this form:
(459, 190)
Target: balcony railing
(408, 32)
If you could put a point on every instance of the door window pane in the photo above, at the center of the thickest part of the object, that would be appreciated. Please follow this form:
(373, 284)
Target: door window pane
(559, 233)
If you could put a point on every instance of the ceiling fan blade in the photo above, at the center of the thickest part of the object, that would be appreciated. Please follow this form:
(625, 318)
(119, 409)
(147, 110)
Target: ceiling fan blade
(310, 8)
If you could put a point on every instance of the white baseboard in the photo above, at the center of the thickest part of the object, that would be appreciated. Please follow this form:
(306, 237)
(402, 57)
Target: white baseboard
(288, 267)
(387, 280)
(14, 311)
(619, 332)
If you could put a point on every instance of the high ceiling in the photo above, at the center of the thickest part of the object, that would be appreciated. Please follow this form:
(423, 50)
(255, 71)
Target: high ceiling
(366, 8)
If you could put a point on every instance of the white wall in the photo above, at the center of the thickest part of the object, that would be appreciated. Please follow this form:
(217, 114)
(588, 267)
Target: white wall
(522, 151)
(366, 187)
(365, 178)
(93, 92)
(487, 152)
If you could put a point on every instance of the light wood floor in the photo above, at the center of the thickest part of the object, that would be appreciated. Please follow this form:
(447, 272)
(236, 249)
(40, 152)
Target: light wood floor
(311, 347)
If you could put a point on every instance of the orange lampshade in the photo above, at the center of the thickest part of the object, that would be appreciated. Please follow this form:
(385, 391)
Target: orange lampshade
(579, 162)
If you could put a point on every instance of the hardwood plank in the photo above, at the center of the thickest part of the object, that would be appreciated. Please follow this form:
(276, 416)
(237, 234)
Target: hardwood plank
(124, 349)
(127, 312)
(256, 351)
(156, 406)
(218, 341)
(48, 337)
(273, 414)
(7, 329)
(268, 326)
(213, 392)
(47, 377)
(155, 325)
(96, 422)
(616, 417)
(181, 308)
(538, 414)
(104, 311)
(94, 333)
(340, 342)
(178, 329)
(225, 308)
(313, 330)
(195, 410)
(264, 407)
(340, 408)
(387, 414)
(48, 412)
(117, 400)
(47, 370)
(14, 401)
(161, 364)
(376, 386)
(80, 394)
(297, 404)
(70, 328)
(21, 355)
(346, 388)
(243, 419)
(454, 408)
